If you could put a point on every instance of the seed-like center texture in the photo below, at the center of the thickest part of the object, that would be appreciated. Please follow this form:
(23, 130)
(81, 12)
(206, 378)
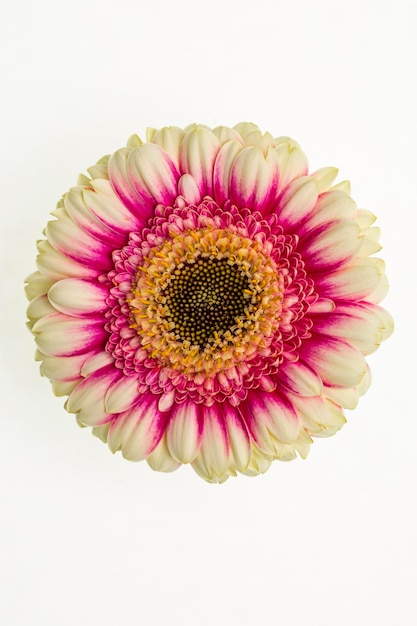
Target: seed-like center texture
(206, 298)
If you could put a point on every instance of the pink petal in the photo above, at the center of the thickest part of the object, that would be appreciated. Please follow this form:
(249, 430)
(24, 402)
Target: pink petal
(330, 246)
(222, 170)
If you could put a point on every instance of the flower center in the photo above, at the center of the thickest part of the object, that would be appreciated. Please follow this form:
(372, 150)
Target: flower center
(205, 300)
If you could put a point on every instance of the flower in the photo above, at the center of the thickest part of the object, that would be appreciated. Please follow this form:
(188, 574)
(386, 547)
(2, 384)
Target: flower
(200, 298)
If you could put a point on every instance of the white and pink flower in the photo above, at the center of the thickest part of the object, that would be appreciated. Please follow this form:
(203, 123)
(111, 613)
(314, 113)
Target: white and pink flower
(201, 298)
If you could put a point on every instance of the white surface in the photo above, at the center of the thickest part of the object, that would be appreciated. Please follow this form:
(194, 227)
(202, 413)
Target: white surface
(88, 538)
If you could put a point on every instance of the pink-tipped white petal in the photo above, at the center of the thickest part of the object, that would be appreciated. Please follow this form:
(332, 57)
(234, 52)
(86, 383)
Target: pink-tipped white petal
(292, 162)
(169, 139)
(299, 378)
(358, 280)
(332, 246)
(78, 297)
(222, 169)
(212, 460)
(73, 242)
(325, 177)
(87, 399)
(55, 265)
(59, 335)
(335, 361)
(298, 201)
(120, 182)
(332, 206)
(254, 179)
(122, 395)
(137, 432)
(153, 175)
(362, 325)
(188, 188)
(185, 432)
(63, 368)
(238, 436)
(161, 460)
(108, 209)
(198, 154)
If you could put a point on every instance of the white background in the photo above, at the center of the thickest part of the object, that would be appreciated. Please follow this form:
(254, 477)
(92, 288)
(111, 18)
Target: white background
(88, 538)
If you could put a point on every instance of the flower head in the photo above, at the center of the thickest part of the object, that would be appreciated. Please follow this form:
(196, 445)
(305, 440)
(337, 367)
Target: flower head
(201, 298)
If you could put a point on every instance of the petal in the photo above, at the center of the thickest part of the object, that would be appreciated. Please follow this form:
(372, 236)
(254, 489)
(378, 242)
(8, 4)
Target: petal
(292, 162)
(169, 139)
(37, 285)
(299, 378)
(56, 266)
(87, 399)
(96, 361)
(347, 397)
(318, 415)
(80, 214)
(39, 307)
(325, 177)
(66, 237)
(198, 154)
(153, 175)
(330, 246)
(212, 460)
(119, 180)
(298, 201)
(270, 414)
(332, 206)
(185, 432)
(358, 280)
(137, 432)
(60, 335)
(222, 170)
(188, 188)
(78, 297)
(362, 325)
(122, 395)
(63, 368)
(225, 134)
(335, 361)
(103, 203)
(161, 460)
(238, 435)
(254, 179)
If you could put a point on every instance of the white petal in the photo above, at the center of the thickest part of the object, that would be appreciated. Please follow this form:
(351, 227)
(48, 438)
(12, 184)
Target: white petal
(325, 177)
(56, 266)
(103, 203)
(60, 335)
(188, 188)
(361, 278)
(78, 297)
(185, 432)
(96, 362)
(222, 169)
(37, 285)
(153, 174)
(335, 361)
(347, 397)
(332, 206)
(169, 139)
(39, 307)
(254, 178)
(300, 379)
(160, 459)
(198, 153)
(137, 432)
(213, 458)
(292, 161)
(122, 395)
(87, 399)
(335, 244)
(299, 200)
(63, 368)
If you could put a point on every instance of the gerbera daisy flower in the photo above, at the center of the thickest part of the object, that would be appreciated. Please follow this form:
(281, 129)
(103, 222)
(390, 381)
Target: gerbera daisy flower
(201, 298)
